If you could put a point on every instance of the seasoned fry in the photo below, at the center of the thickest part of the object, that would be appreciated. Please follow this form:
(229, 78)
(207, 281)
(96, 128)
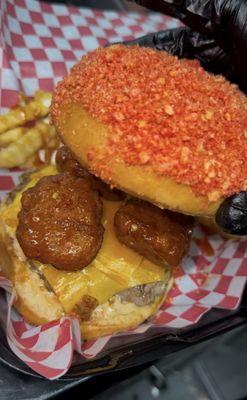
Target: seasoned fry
(29, 163)
(19, 152)
(22, 142)
(22, 99)
(36, 108)
(13, 118)
(49, 134)
(39, 107)
(11, 136)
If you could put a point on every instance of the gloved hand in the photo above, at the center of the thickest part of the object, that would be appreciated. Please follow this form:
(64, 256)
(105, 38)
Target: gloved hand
(216, 35)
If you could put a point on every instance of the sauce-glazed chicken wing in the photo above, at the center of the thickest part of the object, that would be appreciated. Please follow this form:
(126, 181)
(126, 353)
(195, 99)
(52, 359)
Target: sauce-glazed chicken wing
(161, 236)
(60, 222)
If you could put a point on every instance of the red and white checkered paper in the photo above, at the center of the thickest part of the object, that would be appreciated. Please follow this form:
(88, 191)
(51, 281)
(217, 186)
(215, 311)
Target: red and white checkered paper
(38, 44)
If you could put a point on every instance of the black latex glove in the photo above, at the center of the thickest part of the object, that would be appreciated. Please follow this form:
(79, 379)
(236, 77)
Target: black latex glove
(216, 34)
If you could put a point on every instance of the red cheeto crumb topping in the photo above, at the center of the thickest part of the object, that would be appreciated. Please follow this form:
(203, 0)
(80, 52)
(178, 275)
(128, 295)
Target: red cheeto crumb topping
(166, 113)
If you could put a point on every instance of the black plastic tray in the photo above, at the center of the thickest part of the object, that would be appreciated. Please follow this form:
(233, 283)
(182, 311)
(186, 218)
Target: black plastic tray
(131, 351)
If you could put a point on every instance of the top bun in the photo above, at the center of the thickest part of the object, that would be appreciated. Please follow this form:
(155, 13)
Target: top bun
(157, 127)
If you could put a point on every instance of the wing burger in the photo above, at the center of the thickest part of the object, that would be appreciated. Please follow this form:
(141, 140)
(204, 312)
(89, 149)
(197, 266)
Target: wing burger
(92, 236)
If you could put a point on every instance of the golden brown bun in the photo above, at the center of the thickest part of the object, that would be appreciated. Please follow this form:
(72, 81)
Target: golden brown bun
(81, 132)
(44, 294)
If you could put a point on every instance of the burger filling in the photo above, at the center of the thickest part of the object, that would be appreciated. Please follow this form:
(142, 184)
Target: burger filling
(87, 250)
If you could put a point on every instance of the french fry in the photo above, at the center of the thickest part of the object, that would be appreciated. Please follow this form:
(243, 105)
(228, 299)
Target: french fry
(12, 119)
(39, 107)
(29, 163)
(11, 136)
(22, 99)
(49, 135)
(18, 116)
(21, 144)
(31, 141)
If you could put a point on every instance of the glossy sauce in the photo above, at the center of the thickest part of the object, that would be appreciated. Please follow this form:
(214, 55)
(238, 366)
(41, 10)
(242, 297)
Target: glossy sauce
(205, 246)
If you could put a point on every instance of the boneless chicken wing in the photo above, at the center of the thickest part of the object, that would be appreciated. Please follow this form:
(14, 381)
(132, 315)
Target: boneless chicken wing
(66, 162)
(161, 236)
(60, 222)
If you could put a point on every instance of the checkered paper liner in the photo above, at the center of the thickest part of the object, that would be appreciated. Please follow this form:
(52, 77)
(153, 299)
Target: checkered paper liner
(38, 44)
